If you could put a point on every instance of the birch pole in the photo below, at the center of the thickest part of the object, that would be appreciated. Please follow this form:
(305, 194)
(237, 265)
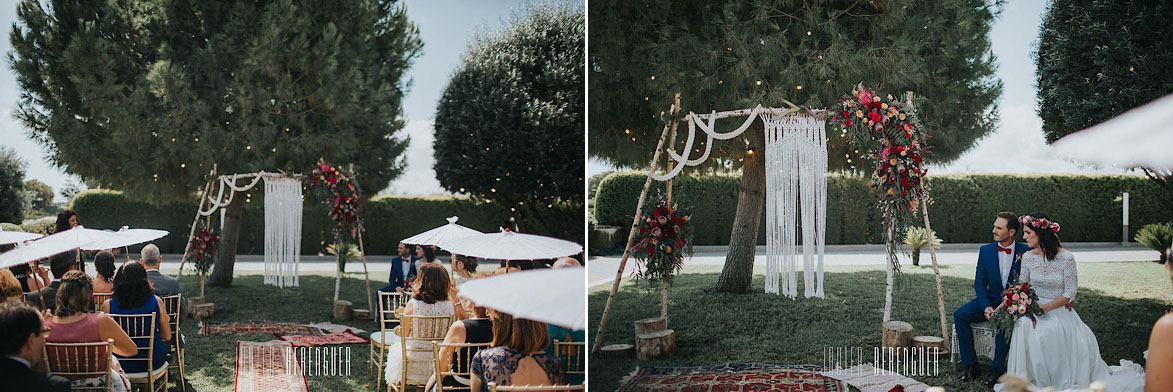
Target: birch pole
(669, 164)
(200, 208)
(634, 228)
(925, 200)
(889, 246)
(366, 274)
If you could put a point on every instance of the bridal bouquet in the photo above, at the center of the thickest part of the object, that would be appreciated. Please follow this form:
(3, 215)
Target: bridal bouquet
(1018, 301)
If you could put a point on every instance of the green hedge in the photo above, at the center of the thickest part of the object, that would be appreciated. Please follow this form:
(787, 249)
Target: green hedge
(963, 211)
(387, 220)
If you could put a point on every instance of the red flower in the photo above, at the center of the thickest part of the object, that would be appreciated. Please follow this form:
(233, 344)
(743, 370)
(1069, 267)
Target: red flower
(1025, 286)
(916, 158)
(874, 116)
(899, 149)
(847, 122)
(679, 244)
(651, 250)
(643, 230)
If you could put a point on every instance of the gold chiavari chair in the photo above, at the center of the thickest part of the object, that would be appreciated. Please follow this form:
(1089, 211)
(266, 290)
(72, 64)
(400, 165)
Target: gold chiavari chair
(458, 365)
(536, 388)
(100, 298)
(175, 352)
(417, 333)
(141, 327)
(77, 361)
(389, 302)
(575, 356)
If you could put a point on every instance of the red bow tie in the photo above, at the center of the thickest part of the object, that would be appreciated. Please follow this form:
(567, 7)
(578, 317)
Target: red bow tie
(1004, 250)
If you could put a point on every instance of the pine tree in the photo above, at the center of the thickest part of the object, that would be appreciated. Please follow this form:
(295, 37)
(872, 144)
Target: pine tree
(509, 124)
(1098, 59)
(12, 197)
(738, 54)
(146, 96)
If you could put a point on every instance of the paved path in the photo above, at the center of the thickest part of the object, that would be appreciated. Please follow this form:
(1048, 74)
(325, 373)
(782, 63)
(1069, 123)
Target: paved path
(379, 266)
(601, 270)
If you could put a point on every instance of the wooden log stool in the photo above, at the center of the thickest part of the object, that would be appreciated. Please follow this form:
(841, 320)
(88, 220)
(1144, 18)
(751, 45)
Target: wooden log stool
(934, 345)
(617, 350)
(655, 344)
(896, 334)
(342, 309)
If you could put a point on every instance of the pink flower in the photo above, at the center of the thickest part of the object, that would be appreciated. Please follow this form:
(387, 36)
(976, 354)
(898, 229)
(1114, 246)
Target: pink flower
(656, 232)
(1012, 309)
(1021, 310)
(1028, 301)
(865, 97)
(663, 220)
(1015, 297)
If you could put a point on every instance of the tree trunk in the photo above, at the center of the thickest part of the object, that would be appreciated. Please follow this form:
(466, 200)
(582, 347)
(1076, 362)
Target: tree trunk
(202, 285)
(222, 272)
(916, 257)
(738, 269)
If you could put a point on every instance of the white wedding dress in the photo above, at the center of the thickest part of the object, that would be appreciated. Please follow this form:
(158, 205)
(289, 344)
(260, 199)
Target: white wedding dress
(1060, 351)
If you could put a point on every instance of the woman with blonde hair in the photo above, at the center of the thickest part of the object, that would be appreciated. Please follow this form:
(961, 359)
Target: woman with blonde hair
(10, 289)
(517, 356)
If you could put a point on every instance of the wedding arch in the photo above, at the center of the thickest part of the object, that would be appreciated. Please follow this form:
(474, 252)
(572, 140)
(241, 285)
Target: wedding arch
(796, 167)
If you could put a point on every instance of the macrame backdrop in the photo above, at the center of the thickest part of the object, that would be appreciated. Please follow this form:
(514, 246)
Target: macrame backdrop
(282, 231)
(796, 174)
(282, 221)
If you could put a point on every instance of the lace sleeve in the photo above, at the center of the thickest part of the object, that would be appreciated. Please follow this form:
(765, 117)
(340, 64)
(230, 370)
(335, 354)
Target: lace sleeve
(1023, 270)
(1070, 276)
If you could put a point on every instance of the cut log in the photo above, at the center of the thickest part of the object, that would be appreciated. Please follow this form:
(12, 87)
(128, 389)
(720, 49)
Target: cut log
(342, 309)
(649, 325)
(196, 300)
(896, 334)
(656, 344)
(361, 314)
(204, 310)
(931, 343)
(618, 350)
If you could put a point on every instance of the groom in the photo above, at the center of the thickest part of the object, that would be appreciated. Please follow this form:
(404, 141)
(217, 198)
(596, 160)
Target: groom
(998, 263)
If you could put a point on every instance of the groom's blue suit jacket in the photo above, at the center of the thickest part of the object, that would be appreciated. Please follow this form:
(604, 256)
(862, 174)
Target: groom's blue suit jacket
(988, 281)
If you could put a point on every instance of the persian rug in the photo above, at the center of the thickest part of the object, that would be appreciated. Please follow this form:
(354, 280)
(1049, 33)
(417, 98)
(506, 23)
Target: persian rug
(865, 378)
(268, 366)
(213, 328)
(741, 377)
(345, 337)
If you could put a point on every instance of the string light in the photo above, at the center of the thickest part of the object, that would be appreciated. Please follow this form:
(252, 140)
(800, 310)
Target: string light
(486, 149)
(494, 190)
(248, 147)
(653, 77)
(627, 131)
(286, 129)
(720, 81)
(808, 32)
(799, 87)
(759, 82)
(197, 140)
(274, 149)
(182, 165)
(226, 123)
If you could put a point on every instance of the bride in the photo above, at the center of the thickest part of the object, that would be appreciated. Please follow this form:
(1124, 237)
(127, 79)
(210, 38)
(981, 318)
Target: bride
(1059, 351)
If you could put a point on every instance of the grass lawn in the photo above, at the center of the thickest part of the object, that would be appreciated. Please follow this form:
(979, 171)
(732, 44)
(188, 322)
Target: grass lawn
(1119, 301)
(210, 360)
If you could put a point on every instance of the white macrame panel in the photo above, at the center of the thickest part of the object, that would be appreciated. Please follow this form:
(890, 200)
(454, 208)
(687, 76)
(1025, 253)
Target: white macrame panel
(796, 168)
(282, 231)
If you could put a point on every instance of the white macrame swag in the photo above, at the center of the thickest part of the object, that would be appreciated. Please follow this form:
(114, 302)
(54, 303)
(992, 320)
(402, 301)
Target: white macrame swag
(283, 210)
(796, 171)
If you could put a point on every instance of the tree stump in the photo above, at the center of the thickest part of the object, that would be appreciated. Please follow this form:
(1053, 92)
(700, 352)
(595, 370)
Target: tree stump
(934, 345)
(649, 325)
(655, 344)
(342, 309)
(896, 334)
(617, 350)
(203, 310)
(361, 314)
(196, 300)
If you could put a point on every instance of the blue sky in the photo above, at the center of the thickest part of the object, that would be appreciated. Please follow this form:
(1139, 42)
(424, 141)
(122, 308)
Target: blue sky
(447, 27)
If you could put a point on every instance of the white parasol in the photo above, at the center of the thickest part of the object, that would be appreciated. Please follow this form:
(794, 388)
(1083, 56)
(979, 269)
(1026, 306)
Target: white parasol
(1141, 137)
(435, 236)
(508, 245)
(53, 244)
(12, 237)
(126, 237)
(555, 296)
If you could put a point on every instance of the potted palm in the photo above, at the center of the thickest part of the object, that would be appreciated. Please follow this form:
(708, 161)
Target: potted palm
(917, 238)
(1157, 236)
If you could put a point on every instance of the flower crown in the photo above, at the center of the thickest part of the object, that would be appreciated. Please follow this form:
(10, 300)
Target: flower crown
(1039, 223)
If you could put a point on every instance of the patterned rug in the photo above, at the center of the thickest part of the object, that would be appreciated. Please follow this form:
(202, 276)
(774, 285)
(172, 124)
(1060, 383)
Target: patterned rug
(268, 366)
(865, 378)
(741, 377)
(213, 328)
(346, 337)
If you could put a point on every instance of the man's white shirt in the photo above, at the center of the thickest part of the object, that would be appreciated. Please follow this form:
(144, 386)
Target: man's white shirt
(1005, 261)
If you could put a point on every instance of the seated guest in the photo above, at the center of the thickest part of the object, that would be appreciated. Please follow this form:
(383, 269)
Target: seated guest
(424, 254)
(463, 267)
(104, 272)
(508, 266)
(28, 280)
(476, 329)
(402, 268)
(59, 264)
(10, 290)
(133, 295)
(66, 220)
(22, 341)
(165, 286)
(429, 298)
(75, 321)
(516, 357)
(563, 334)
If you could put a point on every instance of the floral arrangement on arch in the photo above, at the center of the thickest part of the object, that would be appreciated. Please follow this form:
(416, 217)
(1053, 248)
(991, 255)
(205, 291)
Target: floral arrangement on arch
(203, 253)
(663, 240)
(892, 133)
(342, 195)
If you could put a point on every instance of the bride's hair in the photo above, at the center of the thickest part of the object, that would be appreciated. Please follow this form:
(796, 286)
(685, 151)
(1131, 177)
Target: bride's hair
(1048, 239)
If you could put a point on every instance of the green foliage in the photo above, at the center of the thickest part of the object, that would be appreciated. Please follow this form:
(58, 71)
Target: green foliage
(12, 198)
(917, 238)
(349, 252)
(963, 210)
(5, 226)
(737, 54)
(40, 195)
(1158, 236)
(509, 124)
(147, 96)
(386, 219)
(1099, 58)
(45, 227)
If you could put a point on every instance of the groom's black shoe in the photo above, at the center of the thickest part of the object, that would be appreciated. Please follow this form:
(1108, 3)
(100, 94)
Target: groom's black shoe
(992, 379)
(971, 372)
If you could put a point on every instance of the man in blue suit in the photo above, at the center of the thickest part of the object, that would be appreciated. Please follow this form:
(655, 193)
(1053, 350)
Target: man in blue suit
(998, 264)
(402, 268)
